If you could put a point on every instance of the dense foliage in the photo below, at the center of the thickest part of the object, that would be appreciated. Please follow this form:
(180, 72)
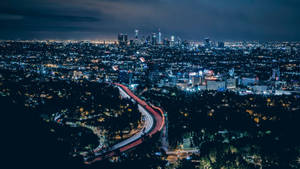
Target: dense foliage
(234, 131)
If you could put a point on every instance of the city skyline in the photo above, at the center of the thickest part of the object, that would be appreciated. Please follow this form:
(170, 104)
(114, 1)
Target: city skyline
(192, 20)
(150, 84)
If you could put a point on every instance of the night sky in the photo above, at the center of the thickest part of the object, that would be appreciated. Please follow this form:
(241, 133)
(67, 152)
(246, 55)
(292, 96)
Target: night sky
(190, 19)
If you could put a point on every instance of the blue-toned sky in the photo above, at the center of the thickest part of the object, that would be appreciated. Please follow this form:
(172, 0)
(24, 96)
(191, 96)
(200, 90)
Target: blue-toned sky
(190, 19)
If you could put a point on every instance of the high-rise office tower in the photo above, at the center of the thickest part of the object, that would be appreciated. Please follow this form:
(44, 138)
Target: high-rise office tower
(154, 39)
(172, 43)
(221, 44)
(207, 42)
(125, 38)
(148, 39)
(122, 39)
(159, 37)
(136, 32)
(172, 38)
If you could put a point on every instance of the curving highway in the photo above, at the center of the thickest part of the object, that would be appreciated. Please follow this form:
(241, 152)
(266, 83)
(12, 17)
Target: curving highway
(154, 123)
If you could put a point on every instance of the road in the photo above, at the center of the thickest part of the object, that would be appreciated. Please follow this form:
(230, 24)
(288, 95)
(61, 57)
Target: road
(154, 122)
(164, 137)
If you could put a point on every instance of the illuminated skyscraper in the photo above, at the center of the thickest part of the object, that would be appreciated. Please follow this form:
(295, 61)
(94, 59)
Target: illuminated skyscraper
(159, 37)
(154, 39)
(231, 72)
(136, 33)
(172, 43)
(122, 39)
(172, 38)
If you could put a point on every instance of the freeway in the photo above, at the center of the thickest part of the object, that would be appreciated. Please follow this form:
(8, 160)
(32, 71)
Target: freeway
(154, 123)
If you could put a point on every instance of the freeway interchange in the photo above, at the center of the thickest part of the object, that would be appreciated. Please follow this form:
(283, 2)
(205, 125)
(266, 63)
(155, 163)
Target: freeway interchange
(154, 122)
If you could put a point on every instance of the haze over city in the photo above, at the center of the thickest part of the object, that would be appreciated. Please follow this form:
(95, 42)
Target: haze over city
(263, 20)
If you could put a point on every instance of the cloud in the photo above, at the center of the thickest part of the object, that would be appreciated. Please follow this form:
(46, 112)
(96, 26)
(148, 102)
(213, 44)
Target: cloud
(190, 19)
(10, 17)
